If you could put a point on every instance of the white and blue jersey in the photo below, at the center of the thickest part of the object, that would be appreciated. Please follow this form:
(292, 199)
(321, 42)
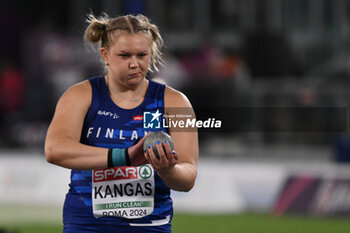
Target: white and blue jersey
(109, 126)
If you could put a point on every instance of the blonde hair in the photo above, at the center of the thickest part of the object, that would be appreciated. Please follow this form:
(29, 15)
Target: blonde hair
(100, 31)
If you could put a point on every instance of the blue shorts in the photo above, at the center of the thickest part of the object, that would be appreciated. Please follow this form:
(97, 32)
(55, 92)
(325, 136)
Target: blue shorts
(77, 228)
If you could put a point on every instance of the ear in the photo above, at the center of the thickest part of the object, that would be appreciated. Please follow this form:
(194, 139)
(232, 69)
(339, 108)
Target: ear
(104, 54)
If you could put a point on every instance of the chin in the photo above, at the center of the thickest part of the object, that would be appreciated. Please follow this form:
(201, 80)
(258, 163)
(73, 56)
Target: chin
(135, 81)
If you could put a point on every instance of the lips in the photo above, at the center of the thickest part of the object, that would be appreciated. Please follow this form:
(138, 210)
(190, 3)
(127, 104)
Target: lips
(134, 75)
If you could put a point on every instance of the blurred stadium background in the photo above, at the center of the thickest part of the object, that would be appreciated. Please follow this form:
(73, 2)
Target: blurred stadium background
(258, 63)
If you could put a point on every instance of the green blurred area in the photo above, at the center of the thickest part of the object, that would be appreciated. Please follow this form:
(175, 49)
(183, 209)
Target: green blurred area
(257, 223)
(34, 219)
(245, 223)
(37, 227)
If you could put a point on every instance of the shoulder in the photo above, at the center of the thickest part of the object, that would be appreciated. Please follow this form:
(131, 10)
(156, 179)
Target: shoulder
(79, 94)
(175, 98)
(81, 88)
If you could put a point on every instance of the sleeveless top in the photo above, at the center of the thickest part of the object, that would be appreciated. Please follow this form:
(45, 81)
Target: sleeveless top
(109, 126)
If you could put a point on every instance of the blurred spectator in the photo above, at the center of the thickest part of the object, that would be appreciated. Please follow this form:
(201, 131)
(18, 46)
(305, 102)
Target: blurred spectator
(11, 97)
(202, 63)
(212, 62)
(11, 88)
(216, 78)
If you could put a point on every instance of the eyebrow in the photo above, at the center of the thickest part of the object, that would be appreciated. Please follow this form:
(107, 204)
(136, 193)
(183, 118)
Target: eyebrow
(122, 51)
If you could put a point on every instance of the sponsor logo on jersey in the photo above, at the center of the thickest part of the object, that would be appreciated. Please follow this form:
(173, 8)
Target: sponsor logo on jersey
(115, 173)
(137, 118)
(108, 114)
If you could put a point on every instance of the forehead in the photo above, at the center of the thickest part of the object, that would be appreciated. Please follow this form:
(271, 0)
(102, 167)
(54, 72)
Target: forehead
(130, 42)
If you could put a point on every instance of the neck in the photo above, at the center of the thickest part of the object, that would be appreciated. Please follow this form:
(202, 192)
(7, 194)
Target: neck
(129, 93)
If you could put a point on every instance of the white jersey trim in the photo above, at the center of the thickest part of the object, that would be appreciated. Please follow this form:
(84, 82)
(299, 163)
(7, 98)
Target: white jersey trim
(154, 223)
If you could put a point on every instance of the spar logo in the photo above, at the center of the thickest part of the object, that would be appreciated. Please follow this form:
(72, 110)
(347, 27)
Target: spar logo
(145, 171)
(115, 173)
(152, 120)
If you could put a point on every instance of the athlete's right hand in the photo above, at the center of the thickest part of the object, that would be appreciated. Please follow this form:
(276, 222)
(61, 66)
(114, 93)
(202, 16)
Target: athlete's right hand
(136, 153)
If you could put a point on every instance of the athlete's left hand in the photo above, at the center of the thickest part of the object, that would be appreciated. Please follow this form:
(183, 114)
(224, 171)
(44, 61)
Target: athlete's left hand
(167, 158)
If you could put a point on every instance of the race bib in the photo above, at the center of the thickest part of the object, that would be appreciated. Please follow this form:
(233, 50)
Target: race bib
(126, 192)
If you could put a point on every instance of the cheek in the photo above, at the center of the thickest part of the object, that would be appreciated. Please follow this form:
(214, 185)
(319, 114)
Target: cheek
(144, 64)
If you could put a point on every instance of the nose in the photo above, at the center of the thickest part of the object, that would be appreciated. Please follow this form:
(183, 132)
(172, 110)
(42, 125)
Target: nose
(133, 62)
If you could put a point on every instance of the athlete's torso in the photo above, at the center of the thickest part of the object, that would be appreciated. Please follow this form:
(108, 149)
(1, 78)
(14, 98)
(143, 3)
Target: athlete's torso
(109, 126)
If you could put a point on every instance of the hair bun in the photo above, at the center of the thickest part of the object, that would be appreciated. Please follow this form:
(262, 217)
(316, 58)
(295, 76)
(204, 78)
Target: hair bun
(96, 29)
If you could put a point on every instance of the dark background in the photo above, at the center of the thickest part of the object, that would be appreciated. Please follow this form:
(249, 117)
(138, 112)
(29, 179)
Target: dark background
(220, 53)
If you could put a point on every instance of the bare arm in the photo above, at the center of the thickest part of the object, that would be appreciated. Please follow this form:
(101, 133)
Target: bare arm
(178, 170)
(62, 144)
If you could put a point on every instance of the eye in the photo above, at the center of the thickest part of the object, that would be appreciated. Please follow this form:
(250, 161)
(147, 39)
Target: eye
(142, 54)
(123, 55)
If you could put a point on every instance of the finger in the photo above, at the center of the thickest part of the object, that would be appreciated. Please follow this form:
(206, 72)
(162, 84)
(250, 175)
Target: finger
(162, 157)
(176, 155)
(152, 157)
(147, 156)
(168, 152)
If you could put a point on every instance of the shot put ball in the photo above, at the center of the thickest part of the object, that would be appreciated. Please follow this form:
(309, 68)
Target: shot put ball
(157, 136)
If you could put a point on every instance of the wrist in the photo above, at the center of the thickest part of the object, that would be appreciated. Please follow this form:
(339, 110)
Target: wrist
(118, 157)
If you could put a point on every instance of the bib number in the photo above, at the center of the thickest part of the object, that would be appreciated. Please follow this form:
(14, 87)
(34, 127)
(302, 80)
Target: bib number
(126, 192)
